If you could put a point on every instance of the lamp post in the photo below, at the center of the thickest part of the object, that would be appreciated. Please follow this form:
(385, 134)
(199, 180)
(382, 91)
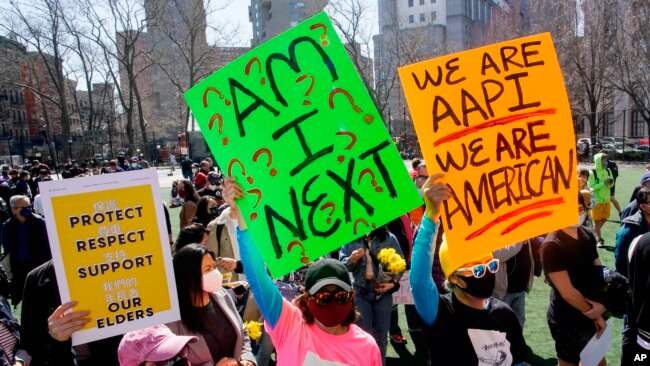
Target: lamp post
(70, 147)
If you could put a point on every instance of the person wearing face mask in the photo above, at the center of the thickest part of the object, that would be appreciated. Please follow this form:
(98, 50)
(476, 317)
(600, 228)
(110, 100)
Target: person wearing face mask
(212, 188)
(479, 328)
(569, 258)
(24, 237)
(631, 227)
(318, 326)
(208, 312)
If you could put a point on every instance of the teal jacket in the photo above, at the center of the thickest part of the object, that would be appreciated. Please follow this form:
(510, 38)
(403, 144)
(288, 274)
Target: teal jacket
(597, 178)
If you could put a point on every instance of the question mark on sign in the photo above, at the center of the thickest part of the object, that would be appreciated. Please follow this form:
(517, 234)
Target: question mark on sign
(366, 117)
(373, 179)
(243, 170)
(309, 89)
(217, 116)
(353, 140)
(215, 90)
(267, 152)
(259, 68)
(323, 37)
(332, 207)
(356, 223)
(258, 193)
(303, 257)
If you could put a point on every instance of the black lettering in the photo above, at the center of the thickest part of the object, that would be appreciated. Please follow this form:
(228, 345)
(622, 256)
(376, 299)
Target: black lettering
(451, 161)
(520, 93)
(465, 98)
(295, 125)
(537, 137)
(349, 193)
(379, 163)
(525, 54)
(315, 205)
(459, 208)
(240, 115)
(439, 116)
(527, 179)
(503, 145)
(475, 150)
(428, 79)
(507, 58)
(496, 187)
(73, 221)
(293, 64)
(518, 137)
(297, 229)
(488, 63)
(477, 199)
(451, 70)
(491, 98)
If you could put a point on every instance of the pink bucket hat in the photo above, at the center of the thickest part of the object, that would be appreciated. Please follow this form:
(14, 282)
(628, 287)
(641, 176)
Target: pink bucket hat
(156, 343)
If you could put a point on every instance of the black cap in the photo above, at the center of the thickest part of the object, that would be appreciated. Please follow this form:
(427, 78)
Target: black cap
(325, 272)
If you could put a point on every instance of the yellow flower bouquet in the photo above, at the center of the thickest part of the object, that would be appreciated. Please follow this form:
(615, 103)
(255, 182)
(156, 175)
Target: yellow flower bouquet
(254, 330)
(390, 264)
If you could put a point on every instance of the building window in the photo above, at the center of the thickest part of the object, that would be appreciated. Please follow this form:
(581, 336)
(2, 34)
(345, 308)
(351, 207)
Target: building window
(422, 18)
(433, 1)
(637, 128)
(411, 19)
(433, 16)
(410, 3)
(421, 2)
(296, 5)
(608, 128)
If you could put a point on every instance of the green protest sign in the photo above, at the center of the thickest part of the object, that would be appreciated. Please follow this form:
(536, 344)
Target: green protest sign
(293, 122)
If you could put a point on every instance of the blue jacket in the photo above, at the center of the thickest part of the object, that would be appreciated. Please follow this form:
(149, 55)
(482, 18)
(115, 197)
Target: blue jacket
(358, 269)
(631, 227)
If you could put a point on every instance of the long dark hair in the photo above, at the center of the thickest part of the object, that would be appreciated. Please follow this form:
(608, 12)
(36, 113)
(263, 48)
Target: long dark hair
(190, 192)
(202, 215)
(187, 271)
(190, 234)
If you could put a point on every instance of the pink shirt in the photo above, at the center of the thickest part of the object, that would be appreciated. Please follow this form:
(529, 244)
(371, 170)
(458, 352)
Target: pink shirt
(298, 343)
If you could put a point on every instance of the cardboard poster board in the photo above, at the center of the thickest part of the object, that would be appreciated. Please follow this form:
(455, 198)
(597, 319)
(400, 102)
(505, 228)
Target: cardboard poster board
(293, 122)
(496, 121)
(111, 252)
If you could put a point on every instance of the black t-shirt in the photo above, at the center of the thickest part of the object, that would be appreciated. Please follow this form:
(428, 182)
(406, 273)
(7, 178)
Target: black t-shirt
(561, 252)
(519, 270)
(462, 335)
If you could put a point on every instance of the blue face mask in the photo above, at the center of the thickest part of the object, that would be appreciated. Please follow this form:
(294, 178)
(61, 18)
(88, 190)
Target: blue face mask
(26, 211)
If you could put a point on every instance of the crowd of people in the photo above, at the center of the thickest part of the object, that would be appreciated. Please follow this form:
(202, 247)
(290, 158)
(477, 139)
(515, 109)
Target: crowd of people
(339, 308)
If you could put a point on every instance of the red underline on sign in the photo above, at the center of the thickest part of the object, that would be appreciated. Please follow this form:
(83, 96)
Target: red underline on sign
(517, 212)
(526, 219)
(496, 122)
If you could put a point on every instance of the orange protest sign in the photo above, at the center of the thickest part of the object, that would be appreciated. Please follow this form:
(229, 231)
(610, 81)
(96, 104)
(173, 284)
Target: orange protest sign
(496, 121)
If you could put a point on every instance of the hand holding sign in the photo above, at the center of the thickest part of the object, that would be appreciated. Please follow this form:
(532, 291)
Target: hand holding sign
(435, 192)
(61, 325)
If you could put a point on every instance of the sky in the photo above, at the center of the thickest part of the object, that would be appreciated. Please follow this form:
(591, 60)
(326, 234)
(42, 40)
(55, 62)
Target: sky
(237, 14)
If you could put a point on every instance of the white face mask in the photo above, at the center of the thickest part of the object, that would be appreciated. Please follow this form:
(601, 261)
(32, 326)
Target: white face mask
(212, 281)
(581, 220)
(212, 187)
(194, 170)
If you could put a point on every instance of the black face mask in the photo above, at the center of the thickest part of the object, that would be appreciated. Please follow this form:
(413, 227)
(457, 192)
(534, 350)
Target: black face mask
(480, 288)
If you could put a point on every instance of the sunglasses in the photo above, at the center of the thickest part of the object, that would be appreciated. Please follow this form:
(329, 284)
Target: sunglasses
(179, 360)
(479, 270)
(341, 297)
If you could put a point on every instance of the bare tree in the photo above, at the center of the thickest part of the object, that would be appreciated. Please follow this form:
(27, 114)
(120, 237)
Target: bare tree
(582, 32)
(631, 73)
(122, 40)
(39, 24)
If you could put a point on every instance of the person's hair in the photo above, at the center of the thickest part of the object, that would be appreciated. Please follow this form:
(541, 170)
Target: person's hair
(419, 180)
(416, 163)
(202, 215)
(203, 163)
(302, 302)
(190, 192)
(23, 174)
(189, 279)
(380, 233)
(13, 201)
(583, 173)
(581, 200)
(641, 196)
(190, 234)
